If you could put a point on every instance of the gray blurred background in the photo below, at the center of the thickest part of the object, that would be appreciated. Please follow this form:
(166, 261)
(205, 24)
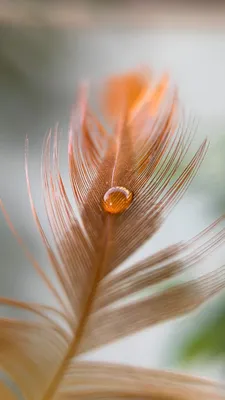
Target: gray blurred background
(40, 67)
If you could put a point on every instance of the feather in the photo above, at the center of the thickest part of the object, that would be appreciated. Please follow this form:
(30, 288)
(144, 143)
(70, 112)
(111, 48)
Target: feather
(112, 381)
(6, 393)
(124, 185)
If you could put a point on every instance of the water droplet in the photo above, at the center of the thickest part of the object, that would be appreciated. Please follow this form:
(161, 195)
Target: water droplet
(117, 199)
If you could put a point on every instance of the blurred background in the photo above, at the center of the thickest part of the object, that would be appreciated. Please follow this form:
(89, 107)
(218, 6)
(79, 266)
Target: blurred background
(46, 48)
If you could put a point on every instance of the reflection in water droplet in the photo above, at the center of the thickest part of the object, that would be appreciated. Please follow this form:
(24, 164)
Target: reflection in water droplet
(117, 199)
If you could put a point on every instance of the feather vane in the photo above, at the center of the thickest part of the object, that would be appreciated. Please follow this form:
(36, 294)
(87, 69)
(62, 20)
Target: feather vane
(141, 159)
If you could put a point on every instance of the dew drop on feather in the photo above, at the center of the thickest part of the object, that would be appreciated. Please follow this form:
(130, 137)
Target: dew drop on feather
(117, 199)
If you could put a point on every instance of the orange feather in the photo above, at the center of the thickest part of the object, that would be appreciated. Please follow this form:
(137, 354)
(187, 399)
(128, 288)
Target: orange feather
(124, 185)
